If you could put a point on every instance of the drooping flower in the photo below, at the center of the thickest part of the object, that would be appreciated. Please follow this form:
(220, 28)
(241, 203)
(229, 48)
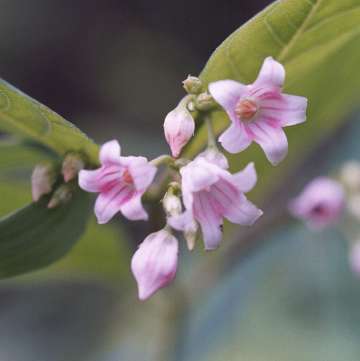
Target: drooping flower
(121, 182)
(259, 111)
(154, 263)
(211, 193)
(320, 204)
(179, 127)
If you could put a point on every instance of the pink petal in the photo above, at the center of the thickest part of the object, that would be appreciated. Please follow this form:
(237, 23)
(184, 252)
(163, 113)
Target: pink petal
(182, 222)
(271, 139)
(246, 179)
(154, 264)
(227, 93)
(209, 219)
(142, 172)
(199, 175)
(243, 212)
(88, 180)
(272, 73)
(215, 157)
(110, 152)
(99, 179)
(235, 139)
(133, 209)
(287, 110)
(110, 202)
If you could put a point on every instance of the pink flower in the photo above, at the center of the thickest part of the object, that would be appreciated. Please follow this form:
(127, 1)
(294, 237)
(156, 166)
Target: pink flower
(211, 193)
(354, 258)
(154, 263)
(121, 182)
(179, 127)
(320, 204)
(259, 111)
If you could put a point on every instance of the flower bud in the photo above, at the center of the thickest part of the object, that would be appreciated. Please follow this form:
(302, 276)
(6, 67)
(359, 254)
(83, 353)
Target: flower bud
(204, 102)
(171, 202)
(154, 263)
(350, 175)
(72, 165)
(42, 179)
(192, 85)
(179, 127)
(62, 195)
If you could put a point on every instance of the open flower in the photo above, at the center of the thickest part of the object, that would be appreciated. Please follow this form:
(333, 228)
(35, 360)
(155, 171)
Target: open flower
(211, 193)
(259, 111)
(179, 127)
(320, 204)
(121, 182)
(154, 263)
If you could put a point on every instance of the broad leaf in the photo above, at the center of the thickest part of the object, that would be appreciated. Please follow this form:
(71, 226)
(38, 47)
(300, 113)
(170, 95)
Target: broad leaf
(24, 116)
(318, 42)
(35, 236)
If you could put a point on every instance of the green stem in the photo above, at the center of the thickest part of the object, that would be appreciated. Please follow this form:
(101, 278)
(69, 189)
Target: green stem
(211, 135)
(162, 160)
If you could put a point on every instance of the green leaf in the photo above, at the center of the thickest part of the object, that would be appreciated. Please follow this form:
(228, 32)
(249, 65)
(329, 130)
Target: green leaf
(318, 43)
(26, 117)
(35, 236)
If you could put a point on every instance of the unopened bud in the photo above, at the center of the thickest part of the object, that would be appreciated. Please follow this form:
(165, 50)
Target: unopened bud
(171, 201)
(42, 179)
(179, 127)
(192, 85)
(350, 175)
(61, 196)
(72, 165)
(204, 102)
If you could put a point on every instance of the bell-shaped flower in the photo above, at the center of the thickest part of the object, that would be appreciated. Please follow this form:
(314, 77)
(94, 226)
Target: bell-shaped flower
(320, 204)
(259, 111)
(154, 263)
(211, 193)
(179, 127)
(120, 182)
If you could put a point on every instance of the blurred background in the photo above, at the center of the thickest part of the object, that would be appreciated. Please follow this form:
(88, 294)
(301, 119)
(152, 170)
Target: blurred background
(114, 68)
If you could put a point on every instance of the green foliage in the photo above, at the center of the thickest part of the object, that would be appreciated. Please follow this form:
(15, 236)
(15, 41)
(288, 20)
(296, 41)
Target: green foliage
(26, 117)
(35, 236)
(318, 43)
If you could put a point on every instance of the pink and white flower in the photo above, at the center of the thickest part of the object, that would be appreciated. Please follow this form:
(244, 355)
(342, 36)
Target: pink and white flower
(320, 204)
(259, 111)
(154, 263)
(121, 182)
(211, 193)
(179, 127)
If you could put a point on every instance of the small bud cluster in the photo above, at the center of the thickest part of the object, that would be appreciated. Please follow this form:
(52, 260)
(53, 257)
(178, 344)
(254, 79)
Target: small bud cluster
(46, 180)
(198, 193)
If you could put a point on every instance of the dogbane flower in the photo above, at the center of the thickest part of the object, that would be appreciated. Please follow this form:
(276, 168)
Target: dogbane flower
(211, 193)
(320, 204)
(179, 127)
(154, 263)
(259, 111)
(120, 182)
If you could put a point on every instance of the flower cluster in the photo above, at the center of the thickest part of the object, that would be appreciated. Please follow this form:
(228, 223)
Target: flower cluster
(201, 192)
